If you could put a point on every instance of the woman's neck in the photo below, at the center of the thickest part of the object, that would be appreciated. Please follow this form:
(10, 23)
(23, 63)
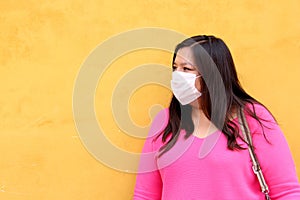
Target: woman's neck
(202, 125)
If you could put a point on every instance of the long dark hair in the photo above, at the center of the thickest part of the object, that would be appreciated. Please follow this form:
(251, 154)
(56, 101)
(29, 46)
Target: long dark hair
(221, 93)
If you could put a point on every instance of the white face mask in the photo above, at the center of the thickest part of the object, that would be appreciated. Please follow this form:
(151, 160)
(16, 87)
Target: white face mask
(183, 86)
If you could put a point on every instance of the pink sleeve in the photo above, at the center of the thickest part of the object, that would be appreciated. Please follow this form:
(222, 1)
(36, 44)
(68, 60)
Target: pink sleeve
(275, 158)
(148, 181)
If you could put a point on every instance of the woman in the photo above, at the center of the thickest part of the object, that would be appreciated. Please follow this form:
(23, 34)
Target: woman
(200, 151)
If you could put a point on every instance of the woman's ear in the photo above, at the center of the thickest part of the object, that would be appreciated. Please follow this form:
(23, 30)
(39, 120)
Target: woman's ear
(198, 83)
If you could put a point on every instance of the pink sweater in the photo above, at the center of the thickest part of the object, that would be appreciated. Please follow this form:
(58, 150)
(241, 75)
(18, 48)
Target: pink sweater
(205, 169)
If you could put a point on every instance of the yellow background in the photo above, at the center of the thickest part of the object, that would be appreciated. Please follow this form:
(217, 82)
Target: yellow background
(44, 43)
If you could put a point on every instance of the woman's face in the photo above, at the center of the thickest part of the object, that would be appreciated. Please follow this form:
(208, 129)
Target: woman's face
(184, 62)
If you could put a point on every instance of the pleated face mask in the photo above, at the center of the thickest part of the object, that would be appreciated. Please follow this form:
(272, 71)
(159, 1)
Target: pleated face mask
(183, 87)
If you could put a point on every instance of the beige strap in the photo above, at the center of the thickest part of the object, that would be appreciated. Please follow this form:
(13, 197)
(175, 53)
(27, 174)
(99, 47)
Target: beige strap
(255, 164)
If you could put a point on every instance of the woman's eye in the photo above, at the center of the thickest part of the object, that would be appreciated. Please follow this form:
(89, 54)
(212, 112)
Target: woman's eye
(174, 67)
(186, 69)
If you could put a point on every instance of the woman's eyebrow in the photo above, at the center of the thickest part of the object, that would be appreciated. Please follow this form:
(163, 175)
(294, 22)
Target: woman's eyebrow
(183, 64)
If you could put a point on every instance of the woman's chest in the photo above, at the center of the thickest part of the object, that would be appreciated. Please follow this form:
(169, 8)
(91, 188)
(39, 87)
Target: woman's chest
(204, 158)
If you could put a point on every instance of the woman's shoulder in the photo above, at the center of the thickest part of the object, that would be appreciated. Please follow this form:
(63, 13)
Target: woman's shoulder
(260, 120)
(260, 110)
(158, 124)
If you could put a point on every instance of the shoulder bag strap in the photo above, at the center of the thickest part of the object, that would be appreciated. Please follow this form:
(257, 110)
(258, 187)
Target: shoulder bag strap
(255, 164)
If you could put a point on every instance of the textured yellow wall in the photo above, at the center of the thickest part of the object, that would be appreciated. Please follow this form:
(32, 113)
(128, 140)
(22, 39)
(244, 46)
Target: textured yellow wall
(43, 45)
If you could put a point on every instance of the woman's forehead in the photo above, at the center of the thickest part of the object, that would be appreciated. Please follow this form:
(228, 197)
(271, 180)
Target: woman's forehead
(184, 55)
